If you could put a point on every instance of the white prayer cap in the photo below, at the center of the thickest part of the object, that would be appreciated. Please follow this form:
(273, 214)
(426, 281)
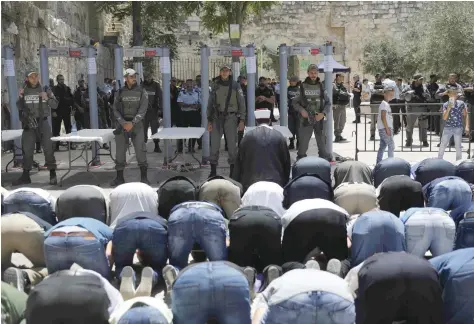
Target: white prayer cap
(262, 114)
(129, 72)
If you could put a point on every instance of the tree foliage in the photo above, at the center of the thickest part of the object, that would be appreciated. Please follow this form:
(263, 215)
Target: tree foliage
(440, 41)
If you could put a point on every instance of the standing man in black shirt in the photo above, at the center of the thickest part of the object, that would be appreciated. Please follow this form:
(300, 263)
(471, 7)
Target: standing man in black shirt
(63, 113)
(293, 119)
(265, 97)
(434, 121)
(357, 92)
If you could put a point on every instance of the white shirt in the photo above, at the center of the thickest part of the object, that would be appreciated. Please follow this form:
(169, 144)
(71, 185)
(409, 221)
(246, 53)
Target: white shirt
(149, 301)
(352, 279)
(385, 106)
(267, 194)
(132, 197)
(301, 206)
(299, 281)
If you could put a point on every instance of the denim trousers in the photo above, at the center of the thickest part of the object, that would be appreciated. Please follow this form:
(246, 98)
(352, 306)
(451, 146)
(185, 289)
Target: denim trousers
(385, 141)
(375, 232)
(143, 315)
(449, 194)
(61, 252)
(200, 225)
(312, 307)
(456, 132)
(147, 235)
(26, 201)
(211, 290)
(456, 273)
(429, 229)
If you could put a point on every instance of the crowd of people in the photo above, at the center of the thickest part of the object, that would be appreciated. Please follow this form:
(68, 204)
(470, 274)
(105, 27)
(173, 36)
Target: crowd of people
(342, 246)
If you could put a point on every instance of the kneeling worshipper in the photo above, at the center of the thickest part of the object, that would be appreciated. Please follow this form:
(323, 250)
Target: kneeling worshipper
(390, 167)
(352, 171)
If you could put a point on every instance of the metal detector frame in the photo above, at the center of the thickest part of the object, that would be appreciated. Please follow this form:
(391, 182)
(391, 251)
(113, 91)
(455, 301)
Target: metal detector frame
(87, 51)
(306, 49)
(140, 51)
(224, 51)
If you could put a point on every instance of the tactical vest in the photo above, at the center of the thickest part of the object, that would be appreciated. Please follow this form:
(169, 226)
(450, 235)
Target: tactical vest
(151, 91)
(33, 102)
(313, 97)
(221, 96)
(130, 99)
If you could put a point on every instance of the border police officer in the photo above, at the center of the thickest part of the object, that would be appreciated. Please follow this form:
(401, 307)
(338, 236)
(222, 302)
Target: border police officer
(153, 89)
(130, 106)
(313, 104)
(225, 108)
(33, 105)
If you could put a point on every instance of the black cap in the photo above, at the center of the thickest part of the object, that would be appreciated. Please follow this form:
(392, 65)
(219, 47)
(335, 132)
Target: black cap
(294, 79)
(433, 76)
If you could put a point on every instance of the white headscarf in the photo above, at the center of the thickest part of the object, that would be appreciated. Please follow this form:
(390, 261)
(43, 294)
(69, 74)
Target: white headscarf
(267, 194)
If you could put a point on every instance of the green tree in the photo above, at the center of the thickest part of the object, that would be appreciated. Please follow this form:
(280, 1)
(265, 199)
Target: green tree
(216, 16)
(389, 56)
(445, 38)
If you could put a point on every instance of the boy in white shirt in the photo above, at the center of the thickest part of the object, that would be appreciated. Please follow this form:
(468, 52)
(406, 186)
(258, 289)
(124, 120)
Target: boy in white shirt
(385, 123)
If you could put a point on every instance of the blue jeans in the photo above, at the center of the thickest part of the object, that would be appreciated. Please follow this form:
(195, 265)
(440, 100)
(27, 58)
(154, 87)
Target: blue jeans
(456, 275)
(449, 194)
(147, 235)
(211, 290)
(428, 229)
(447, 133)
(143, 315)
(61, 252)
(385, 141)
(204, 226)
(376, 232)
(464, 234)
(312, 307)
(27, 201)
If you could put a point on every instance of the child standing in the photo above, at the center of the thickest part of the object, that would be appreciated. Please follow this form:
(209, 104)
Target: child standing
(454, 112)
(385, 123)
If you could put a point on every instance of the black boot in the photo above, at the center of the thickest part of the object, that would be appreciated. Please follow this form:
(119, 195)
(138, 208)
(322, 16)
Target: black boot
(425, 144)
(157, 147)
(213, 170)
(118, 180)
(144, 176)
(24, 179)
(56, 148)
(53, 180)
(292, 144)
(231, 170)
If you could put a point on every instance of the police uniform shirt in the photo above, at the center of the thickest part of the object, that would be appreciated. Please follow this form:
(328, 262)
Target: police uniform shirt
(189, 98)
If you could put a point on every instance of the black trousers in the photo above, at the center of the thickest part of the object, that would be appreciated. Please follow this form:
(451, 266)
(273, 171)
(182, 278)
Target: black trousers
(323, 228)
(293, 124)
(396, 118)
(255, 238)
(356, 103)
(150, 120)
(189, 119)
(63, 115)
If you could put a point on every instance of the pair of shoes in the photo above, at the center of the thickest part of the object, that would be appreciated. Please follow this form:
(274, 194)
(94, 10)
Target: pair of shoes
(425, 144)
(312, 264)
(17, 278)
(292, 145)
(372, 138)
(334, 266)
(127, 284)
(339, 139)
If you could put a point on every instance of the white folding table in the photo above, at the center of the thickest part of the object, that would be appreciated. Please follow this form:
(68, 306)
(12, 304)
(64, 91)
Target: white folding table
(177, 133)
(12, 135)
(285, 131)
(101, 136)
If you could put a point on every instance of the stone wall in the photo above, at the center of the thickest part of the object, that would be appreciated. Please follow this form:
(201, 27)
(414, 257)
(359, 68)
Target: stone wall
(55, 23)
(349, 24)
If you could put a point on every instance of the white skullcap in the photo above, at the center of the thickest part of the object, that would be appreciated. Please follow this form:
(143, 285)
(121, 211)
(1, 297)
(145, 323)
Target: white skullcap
(262, 114)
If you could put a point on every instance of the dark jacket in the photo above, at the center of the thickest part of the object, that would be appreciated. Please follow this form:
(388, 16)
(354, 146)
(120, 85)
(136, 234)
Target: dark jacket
(263, 156)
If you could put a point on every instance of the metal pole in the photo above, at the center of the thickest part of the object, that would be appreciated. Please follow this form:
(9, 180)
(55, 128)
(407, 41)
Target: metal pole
(13, 98)
(251, 90)
(166, 77)
(283, 85)
(118, 66)
(329, 124)
(44, 73)
(204, 100)
(92, 89)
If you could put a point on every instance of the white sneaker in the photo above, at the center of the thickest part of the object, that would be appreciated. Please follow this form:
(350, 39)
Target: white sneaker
(251, 275)
(127, 284)
(146, 283)
(334, 266)
(169, 275)
(312, 264)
